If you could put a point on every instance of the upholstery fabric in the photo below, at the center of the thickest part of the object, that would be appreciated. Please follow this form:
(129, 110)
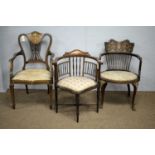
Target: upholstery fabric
(33, 75)
(76, 83)
(118, 76)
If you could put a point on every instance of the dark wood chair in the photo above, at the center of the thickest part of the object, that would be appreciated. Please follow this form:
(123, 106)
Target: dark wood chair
(76, 72)
(33, 41)
(119, 65)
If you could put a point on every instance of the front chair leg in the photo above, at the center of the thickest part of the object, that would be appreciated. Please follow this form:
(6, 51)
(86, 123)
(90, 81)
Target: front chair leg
(12, 96)
(133, 98)
(128, 85)
(56, 99)
(50, 94)
(102, 93)
(98, 97)
(77, 106)
(27, 90)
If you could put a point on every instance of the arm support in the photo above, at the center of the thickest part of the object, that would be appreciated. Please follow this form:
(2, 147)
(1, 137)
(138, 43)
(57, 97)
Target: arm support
(12, 60)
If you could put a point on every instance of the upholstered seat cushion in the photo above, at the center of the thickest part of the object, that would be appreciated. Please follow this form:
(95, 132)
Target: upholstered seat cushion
(118, 76)
(32, 75)
(76, 83)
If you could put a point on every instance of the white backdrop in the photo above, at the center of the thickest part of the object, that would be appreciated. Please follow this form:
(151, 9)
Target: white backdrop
(66, 38)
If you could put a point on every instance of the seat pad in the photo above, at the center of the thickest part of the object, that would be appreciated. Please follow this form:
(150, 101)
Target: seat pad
(118, 76)
(32, 75)
(77, 83)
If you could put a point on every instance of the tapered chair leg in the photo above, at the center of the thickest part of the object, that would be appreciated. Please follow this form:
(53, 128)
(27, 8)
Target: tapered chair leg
(12, 96)
(50, 94)
(102, 93)
(77, 107)
(133, 98)
(27, 90)
(128, 85)
(56, 99)
(48, 91)
(98, 97)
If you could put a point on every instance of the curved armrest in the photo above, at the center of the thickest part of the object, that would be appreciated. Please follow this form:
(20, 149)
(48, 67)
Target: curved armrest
(140, 64)
(51, 54)
(12, 60)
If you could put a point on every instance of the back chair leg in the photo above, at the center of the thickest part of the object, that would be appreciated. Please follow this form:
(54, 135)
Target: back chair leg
(77, 107)
(98, 97)
(27, 90)
(133, 98)
(128, 85)
(12, 96)
(50, 91)
(102, 93)
(56, 99)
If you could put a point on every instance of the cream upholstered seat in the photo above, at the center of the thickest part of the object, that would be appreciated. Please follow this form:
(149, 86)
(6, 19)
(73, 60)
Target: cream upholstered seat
(118, 76)
(77, 83)
(32, 75)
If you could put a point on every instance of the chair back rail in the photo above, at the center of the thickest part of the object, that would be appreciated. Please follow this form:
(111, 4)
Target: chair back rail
(77, 63)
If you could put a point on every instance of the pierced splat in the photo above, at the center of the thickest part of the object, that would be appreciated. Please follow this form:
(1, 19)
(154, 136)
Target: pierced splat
(35, 40)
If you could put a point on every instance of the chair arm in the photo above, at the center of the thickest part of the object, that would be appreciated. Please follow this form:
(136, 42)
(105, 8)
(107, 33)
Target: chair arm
(51, 54)
(11, 61)
(140, 64)
(54, 64)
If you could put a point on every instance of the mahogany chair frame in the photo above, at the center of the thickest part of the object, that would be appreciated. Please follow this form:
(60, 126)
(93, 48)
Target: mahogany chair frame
(78, 60)
(111, 61)
(35, 41)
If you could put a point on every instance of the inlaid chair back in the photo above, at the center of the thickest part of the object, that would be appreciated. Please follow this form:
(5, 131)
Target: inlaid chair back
(118, 55)
(120, 66)
(35, 41)
(77, 63)
(124, 46)
(30, 49)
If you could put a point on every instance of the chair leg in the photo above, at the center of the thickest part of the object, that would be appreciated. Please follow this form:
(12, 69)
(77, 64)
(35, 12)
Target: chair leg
(27, 90)
(98, 97)
(50, 92)
(133, 98)
(128, 85)
(56, 99)
(12, 96)
(102, 93)
(77, 107)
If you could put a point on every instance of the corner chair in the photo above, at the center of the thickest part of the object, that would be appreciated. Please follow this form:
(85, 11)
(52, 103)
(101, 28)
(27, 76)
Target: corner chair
(76, 72)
